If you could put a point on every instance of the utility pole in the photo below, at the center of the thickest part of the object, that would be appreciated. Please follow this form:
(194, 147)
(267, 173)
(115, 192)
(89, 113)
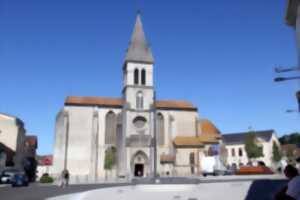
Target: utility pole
(154, 138)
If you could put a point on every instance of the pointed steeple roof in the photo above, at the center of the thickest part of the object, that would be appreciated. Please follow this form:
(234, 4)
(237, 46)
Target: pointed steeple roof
(139, 50)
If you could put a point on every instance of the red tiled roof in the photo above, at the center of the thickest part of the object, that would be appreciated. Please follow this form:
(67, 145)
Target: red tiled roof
(97, 101)
(207, 127)
(45, 160)
(186, 141)
(161, 104)
(118, 102)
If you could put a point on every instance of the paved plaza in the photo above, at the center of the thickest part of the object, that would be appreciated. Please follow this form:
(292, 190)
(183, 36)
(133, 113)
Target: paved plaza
(227, 187)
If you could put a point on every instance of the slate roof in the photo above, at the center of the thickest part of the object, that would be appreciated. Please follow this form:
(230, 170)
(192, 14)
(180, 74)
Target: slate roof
(139, 50)
(239, 138)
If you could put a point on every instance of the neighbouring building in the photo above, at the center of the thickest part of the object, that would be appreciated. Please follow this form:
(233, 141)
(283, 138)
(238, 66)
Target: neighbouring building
(235, 146)
(88, 129)
(16, 149)
(44, 165)
(12, 138)
(31, 145)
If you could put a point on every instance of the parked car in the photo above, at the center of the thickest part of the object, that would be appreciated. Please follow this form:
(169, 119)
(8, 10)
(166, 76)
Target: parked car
(19, 179)
(7, 175)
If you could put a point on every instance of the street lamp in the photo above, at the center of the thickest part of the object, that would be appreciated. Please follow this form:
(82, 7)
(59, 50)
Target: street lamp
(281, 69)
(291, 110)
(279, 79)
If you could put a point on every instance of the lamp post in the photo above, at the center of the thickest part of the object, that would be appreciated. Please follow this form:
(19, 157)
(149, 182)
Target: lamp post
(154, 143)
(289, 69)
(291, 111)
(280, 79)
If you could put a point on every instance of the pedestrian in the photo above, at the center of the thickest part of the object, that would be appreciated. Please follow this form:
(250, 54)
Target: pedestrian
(292, 190)
(65, 176)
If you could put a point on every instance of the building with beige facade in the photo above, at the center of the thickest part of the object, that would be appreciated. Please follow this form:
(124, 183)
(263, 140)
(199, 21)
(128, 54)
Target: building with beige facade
(16, 149)
(87, 128)
(235, 146)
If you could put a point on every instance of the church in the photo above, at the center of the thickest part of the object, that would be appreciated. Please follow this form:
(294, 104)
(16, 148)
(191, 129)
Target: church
(97, 137)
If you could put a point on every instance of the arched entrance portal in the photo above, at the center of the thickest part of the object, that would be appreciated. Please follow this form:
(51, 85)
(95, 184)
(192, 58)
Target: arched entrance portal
(140, 164)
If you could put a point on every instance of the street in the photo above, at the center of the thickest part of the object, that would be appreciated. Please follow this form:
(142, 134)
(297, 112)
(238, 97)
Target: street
(233, 187)
(37, 191)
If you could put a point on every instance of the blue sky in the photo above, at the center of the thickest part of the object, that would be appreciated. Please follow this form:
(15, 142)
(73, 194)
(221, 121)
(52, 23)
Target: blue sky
(219, 55)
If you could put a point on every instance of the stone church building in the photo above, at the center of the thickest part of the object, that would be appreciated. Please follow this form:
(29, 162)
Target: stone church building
(88, 127)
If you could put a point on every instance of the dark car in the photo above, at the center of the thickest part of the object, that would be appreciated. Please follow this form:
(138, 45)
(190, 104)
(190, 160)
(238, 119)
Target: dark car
(19, 179)
(7, 175)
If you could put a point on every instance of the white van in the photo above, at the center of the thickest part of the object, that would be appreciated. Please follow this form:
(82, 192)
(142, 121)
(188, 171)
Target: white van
(212, 165)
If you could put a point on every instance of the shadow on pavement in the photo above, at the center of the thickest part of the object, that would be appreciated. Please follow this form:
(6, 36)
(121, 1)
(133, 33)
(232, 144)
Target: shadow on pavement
(36, 192)
(264, 189)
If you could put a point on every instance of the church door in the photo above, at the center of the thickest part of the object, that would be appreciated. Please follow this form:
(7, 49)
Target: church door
(139, 170)
(140, 164)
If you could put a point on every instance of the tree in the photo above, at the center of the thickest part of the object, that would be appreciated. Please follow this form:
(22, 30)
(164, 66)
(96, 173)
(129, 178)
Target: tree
(252, 149)
(293, 138)
(290, 154)
(110, 158)
(277, 155)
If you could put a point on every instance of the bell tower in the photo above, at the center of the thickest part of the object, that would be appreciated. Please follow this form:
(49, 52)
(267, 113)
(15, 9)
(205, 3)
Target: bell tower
(138, 70)
(138, 112)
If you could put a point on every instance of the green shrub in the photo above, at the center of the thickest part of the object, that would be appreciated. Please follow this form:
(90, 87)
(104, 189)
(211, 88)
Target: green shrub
(46, 179)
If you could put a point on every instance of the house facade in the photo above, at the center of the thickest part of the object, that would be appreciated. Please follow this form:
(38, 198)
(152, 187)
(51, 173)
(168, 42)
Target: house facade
(16, 149)
(235, 146)
(12, 139)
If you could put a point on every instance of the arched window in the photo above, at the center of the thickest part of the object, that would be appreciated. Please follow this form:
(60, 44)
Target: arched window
(240, 152)
(192, 162)
(160, 129)
(233, 152)
(136, 76)
(110, 128)
(143, 77)
(139, 100)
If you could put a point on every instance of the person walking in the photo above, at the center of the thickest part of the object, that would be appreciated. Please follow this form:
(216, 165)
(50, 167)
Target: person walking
(292, 190)
(65, 176)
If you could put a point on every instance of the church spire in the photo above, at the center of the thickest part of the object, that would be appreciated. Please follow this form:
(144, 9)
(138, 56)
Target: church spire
(139, 50)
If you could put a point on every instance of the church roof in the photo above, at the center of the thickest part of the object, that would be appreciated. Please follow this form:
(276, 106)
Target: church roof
(208, 128)
(139, 50)
(187, 141)
(173, 104)
(94, 101)
(118, 103)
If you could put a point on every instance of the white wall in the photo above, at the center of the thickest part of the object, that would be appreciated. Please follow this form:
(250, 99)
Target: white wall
(81, 142)
(267, 152)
